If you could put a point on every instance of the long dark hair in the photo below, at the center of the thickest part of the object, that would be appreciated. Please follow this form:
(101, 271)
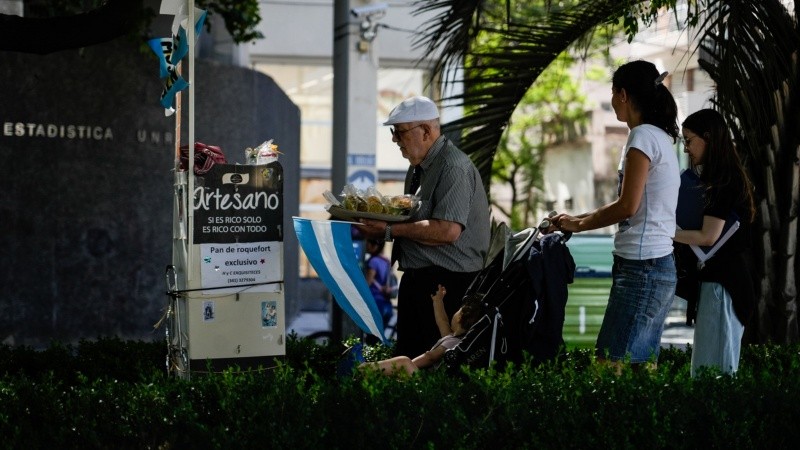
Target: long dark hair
(652, 99)
(721, 160)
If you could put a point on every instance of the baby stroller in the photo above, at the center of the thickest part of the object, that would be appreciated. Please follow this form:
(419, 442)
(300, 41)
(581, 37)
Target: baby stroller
(524, 289)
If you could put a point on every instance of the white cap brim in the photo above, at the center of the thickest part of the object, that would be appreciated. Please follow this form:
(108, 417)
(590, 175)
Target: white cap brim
(414, 109)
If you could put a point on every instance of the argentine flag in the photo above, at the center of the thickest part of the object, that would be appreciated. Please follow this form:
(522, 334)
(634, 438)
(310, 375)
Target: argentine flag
(329, 247)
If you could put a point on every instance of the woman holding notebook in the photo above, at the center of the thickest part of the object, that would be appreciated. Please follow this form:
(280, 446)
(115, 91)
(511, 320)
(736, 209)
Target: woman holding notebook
(726, 298)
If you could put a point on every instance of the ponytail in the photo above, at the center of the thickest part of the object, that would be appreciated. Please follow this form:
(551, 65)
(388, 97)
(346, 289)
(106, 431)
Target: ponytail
(645, 87)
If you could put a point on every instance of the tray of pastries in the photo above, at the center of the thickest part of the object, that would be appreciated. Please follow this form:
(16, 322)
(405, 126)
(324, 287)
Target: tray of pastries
(370, 204)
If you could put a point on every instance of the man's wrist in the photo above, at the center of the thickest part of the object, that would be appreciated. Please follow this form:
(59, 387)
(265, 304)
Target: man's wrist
(387, 234)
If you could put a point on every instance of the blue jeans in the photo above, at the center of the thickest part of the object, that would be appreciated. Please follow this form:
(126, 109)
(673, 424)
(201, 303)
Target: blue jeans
(640, 299)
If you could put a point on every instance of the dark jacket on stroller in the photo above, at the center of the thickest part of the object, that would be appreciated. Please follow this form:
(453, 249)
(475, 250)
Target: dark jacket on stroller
(524, 290)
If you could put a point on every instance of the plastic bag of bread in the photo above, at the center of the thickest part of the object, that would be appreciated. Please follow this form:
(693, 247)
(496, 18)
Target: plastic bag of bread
(400, 204)
(374, 201)
(353, 199)
(371, 201)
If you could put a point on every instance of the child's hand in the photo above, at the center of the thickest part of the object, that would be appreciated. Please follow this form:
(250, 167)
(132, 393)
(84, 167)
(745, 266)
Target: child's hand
(440, 293)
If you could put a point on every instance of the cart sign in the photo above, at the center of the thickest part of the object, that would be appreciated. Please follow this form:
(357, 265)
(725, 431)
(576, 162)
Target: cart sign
(256, 266)
(239, 204)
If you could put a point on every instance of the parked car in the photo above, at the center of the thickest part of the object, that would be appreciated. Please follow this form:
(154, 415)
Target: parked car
(592, 254)
(588, 294)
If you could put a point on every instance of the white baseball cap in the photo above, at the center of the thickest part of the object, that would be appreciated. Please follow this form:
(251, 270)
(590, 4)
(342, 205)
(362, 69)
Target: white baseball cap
(413, 109)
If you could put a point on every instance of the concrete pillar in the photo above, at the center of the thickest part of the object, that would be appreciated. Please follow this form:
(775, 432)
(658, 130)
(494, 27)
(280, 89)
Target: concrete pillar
(355, 105)
(355, 92)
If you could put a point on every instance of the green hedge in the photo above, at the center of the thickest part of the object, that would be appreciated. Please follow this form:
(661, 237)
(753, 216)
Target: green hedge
(114, 394)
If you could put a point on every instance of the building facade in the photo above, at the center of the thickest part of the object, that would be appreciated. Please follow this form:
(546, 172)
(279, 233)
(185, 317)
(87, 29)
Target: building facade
(297, 54)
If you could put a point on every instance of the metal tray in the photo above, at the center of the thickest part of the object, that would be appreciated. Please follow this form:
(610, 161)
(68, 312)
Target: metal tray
(347, 214)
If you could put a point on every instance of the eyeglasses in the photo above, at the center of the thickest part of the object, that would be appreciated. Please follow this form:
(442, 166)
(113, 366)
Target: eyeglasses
(398, 133)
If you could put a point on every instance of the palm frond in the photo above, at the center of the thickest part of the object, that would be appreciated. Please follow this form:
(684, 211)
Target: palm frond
(450, 29)
(496, 77)
(750, 49)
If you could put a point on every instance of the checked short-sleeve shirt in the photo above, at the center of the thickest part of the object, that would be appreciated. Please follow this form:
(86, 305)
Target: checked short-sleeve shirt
(450, 189)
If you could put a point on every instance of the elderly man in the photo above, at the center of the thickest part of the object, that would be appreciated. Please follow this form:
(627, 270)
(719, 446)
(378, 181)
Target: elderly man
(446, 240)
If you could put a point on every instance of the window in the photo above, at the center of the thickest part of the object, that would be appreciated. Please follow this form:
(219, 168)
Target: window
(311, 88)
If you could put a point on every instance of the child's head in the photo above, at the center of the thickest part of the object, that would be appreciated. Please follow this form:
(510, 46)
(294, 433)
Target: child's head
(469, 313)
(375, 246)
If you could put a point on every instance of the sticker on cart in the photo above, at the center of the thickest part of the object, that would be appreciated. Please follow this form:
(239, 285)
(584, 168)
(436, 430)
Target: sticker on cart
(209, 311)
(269, 314)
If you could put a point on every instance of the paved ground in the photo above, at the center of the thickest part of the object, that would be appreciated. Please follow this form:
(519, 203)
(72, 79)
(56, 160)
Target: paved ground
(677, 335)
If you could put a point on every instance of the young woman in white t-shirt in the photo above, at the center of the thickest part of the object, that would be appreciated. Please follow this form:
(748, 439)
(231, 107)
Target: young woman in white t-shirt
(644, 274)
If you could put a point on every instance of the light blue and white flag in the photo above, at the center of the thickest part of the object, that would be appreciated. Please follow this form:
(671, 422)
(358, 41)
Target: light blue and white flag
(328, 245)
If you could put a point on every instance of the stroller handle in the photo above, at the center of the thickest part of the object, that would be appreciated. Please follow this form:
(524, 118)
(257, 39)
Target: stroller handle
(546, 223)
